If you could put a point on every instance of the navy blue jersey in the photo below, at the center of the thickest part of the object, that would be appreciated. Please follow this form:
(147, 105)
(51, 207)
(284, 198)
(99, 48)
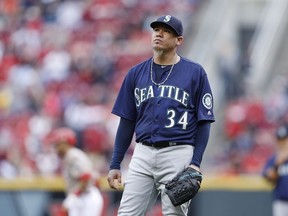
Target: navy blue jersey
(167, 112)
(281, 187)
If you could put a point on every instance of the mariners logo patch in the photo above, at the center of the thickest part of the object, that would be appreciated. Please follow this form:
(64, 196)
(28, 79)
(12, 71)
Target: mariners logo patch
(207, 101)
(167, 18)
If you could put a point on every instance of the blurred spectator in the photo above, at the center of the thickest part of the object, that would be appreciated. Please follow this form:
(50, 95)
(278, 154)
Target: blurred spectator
(7, 168)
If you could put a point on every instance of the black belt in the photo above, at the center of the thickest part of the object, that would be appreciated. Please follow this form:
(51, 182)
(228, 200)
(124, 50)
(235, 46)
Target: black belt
(162, 144)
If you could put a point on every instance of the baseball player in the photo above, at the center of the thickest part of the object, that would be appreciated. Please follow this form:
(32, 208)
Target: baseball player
(276, 171)
(167, 101)
(83, 198)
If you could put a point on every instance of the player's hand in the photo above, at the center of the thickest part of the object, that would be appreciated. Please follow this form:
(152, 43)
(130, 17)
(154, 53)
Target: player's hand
(196, 168)
(271, 175)
(114, 179)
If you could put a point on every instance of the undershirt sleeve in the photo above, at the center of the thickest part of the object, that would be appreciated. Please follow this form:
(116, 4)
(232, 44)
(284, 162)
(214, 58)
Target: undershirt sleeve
(202, 136)
(123, 140)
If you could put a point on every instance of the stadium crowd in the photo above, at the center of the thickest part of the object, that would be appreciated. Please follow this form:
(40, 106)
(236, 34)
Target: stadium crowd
(249, 128)
(61, 64)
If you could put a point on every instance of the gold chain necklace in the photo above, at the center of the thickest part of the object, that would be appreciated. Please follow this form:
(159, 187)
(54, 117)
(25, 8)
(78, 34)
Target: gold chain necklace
(151, 74)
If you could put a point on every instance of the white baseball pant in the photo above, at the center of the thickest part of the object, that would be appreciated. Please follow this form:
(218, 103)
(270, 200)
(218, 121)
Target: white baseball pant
(89, 203)
(150, 168)
(280, 208)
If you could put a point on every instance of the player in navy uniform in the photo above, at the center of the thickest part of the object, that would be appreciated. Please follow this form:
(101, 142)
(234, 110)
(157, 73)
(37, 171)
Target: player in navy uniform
(167, 101)
(276, 171)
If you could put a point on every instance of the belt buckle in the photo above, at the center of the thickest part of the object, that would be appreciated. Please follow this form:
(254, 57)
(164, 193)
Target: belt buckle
(172, 143)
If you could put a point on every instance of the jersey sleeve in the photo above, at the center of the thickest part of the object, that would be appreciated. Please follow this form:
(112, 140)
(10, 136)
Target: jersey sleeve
(205, 100)
(125, 103)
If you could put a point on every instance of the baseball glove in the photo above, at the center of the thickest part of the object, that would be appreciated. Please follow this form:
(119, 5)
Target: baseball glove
(184, 186)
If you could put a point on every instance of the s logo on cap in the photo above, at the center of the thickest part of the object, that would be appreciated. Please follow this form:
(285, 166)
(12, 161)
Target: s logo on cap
(167, 18)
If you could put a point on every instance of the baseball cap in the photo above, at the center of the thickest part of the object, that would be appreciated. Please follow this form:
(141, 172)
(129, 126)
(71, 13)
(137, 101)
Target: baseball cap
(282, 132)
(170, 21)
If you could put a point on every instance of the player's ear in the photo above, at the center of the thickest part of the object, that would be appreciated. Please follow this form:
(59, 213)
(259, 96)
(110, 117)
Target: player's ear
(179, 40)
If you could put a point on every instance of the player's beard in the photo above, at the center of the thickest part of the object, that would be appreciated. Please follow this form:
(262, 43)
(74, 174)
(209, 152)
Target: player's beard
(158, 52)
(163, 49)
(161, 52)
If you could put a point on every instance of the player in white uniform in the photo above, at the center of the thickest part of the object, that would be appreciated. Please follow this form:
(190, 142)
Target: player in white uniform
(82, 196)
